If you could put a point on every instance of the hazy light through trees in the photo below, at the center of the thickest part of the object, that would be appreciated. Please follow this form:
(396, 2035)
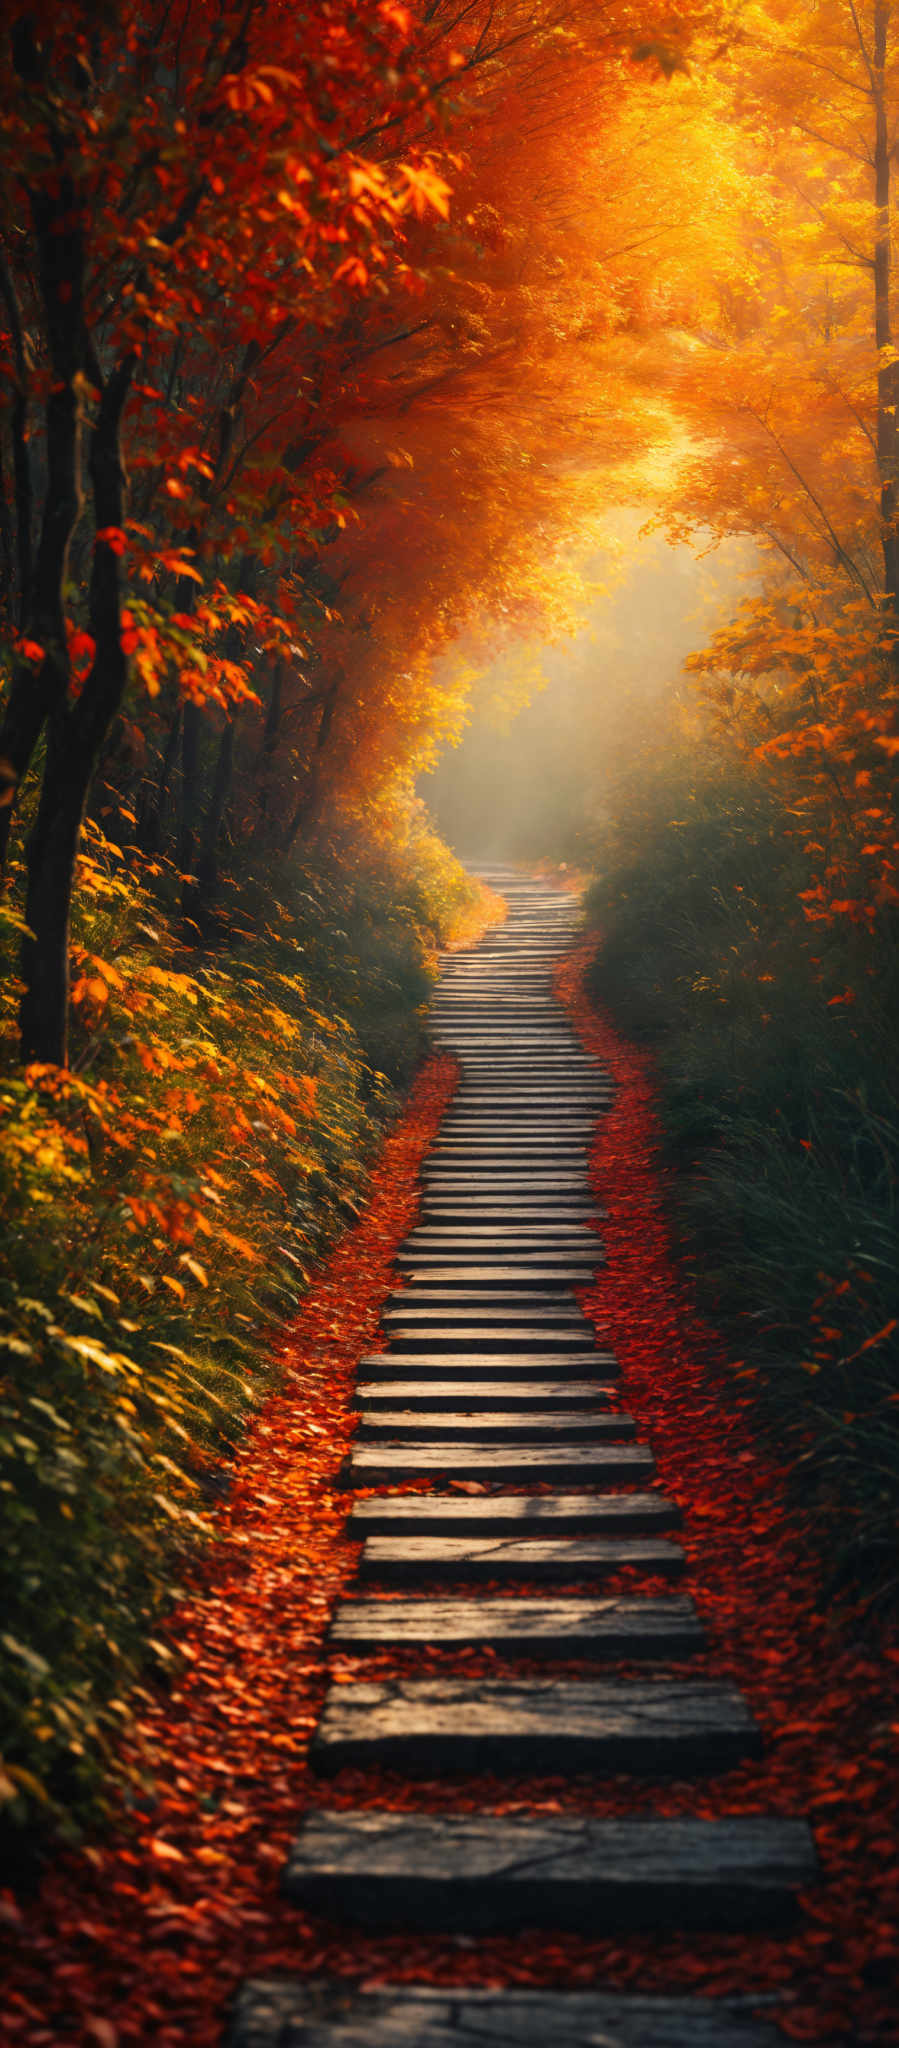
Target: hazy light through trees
(527, 778)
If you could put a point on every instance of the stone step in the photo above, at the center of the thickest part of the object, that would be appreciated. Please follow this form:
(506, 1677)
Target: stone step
(430, 1294)
(408, 1559)
(620, 1627)
(536, 1272)
(587, 1464)
(658, 1727)
(506, 1211)
(507, 1058)
(510, 1157)
(567, 1242)
(574, 1099)
(529, 1118)
(492, 1364)
(527, 1236)
(424, 1334)
(279, 2012)
(511, 1514)
(492, 1872)
(562, 1313)
(508, 1040)
(563, 1129)
(494, 1173)
(496, 1426)
(574, 1187)
(551, 1396)
(483, 1199)
(484, 1338)
(430, 1259)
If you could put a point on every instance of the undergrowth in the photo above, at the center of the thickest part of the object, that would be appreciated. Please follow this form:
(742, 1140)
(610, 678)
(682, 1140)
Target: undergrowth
(776, 1045)
(161, 1204)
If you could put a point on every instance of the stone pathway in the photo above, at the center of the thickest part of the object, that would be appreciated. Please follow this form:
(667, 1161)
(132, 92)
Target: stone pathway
(492, 1375)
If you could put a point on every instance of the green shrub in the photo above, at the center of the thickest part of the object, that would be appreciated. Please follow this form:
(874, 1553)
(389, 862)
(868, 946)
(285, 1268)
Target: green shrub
(161, 1203)
(776, 1045)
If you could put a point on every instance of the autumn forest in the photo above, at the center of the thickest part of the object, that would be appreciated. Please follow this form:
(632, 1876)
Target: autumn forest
(429, 434)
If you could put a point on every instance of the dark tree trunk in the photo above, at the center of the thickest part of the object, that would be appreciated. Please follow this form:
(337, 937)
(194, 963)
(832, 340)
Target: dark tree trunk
(76, 733)
(307, 808)
(151, 806)
(189, 814)
(268, 750)
(207, 864)
(37, 689)
(21, 461)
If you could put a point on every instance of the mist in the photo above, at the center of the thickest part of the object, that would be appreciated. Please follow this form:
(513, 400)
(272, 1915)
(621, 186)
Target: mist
(531, 782)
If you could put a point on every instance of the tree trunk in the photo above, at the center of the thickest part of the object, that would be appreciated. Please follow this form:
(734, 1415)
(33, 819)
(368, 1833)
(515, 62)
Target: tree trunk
(75, 737)
(36, 690)
(189, 814)
(21, 460)
(151, 804)
(266, 755)
(308, 804)
(207, 866)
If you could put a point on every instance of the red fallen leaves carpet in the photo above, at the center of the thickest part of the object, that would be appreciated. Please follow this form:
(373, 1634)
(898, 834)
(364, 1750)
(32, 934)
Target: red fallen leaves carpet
(144, 1938)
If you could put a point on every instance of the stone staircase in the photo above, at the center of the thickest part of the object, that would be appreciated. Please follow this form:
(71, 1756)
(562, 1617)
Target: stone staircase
(492, 1376)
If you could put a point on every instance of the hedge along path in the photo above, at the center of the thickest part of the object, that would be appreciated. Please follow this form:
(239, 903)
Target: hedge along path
(542, 1502)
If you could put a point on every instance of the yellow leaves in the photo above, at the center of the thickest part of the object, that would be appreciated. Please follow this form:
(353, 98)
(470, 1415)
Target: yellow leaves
(87, 1307)
(194, 1267)
(182, 985)
(91, 1352)
(241, 1245)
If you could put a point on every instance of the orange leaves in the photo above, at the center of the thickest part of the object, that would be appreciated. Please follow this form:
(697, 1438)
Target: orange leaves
(352, 271)
(424, 190)
(880, 1337)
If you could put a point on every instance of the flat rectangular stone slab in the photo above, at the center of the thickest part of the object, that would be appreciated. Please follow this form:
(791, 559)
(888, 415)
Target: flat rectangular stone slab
(586, 1464)
(454, 1298)
(497, 1426)
(487, 1394)
(511, 1514)
(426, 1249)
(480, 1338)
(472, 1236)
(409, 1559)
(491, 1872)
(445, 1187)
(489, 1364)
(481, 1205)
(661, 1727)
(478, 1150)
(506, 1268)
(560, 1310)
(279, 2013)
(572, 1186)
(621, 1627)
